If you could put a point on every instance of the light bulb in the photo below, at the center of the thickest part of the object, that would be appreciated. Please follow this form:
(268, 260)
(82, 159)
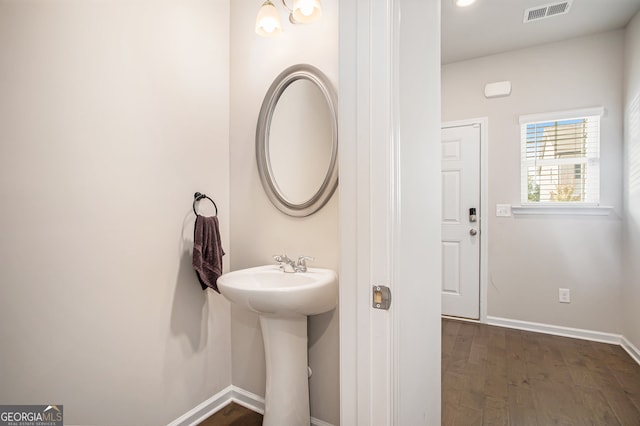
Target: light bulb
(269, 25)
(306, 8)
(306, 11)
(268, 21)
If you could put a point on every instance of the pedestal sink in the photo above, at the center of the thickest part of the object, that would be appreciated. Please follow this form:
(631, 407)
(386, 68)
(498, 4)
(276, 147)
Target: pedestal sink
(283, 300)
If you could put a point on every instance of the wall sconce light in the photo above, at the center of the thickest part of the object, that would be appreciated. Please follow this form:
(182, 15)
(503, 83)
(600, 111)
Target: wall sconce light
(268, 22)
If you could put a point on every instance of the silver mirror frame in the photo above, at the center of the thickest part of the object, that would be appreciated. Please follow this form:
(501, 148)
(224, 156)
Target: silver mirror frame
(330, 183)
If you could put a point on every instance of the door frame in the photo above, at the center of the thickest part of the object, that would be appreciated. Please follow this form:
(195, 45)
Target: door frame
(483, 122)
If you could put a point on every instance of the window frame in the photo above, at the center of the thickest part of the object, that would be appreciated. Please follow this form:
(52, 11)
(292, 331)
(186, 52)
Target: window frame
(592, 160)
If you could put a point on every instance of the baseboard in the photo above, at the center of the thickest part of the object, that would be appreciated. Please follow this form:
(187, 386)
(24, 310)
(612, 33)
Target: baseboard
(218, 401)
(318, 422)
(576, 333)
(204, 409)
(631, 349)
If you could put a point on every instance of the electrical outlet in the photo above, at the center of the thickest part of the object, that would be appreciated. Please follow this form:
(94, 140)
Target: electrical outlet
(564, 295)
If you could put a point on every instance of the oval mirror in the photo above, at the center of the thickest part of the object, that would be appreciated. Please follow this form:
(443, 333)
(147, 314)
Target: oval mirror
(297, 141)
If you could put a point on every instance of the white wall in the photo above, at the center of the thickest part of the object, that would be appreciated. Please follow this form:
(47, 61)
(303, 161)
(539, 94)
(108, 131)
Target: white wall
(530, 257)
(258, 229)
(111, 115)
(631, 288)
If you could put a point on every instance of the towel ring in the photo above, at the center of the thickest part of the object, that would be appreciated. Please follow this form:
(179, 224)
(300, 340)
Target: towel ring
(197, 197)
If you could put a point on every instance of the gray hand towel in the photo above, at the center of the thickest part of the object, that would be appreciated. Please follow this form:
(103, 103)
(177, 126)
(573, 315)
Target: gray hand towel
(207, 251)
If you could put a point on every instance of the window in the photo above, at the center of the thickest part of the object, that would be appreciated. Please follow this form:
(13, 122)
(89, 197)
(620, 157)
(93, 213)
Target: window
(560, 161)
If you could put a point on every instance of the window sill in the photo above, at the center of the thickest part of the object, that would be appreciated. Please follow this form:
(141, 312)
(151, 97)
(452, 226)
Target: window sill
(562, 210)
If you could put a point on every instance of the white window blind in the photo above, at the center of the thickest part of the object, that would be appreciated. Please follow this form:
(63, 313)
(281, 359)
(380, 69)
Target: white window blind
(560, 161)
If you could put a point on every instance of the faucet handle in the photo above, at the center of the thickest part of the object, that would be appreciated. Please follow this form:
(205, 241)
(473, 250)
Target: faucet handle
(280, 258)
(302, 262)
(286, 264)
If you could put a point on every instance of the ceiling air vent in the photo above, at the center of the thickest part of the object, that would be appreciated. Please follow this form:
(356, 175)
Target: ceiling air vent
(546, 11)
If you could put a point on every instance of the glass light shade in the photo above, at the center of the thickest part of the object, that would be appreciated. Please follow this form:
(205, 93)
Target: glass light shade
(306, 11)
(268, 21)
(464, 3)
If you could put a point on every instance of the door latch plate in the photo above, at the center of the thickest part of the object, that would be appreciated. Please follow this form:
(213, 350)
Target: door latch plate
(381, 297)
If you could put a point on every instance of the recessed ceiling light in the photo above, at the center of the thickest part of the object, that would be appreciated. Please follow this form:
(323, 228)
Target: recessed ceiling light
(464, 3)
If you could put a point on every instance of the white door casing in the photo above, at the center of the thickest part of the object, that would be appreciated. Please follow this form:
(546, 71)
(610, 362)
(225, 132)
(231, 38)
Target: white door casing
(462, 235)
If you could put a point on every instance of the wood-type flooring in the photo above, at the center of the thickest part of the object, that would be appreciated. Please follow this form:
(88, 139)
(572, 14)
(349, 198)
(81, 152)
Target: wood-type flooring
(499, 376)
(234, 415)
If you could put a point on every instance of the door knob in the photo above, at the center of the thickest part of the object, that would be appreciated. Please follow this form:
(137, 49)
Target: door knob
(473, 231)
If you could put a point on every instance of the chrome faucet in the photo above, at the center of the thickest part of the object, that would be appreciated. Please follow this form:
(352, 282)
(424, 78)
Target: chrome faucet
(290, 266)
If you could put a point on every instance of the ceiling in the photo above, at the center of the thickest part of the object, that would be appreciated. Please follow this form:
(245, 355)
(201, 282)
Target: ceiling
(488, 27)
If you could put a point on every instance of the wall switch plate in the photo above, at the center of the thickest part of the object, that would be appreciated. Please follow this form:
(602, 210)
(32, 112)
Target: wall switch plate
(564, 295)
(503, 210)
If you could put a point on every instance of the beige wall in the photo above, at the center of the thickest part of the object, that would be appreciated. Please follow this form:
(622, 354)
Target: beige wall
(530, 257)
(631, 289)
(258, 229)
(111, 115)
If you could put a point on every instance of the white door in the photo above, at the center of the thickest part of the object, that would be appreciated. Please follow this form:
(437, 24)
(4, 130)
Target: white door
(461, 221)
(390, 212)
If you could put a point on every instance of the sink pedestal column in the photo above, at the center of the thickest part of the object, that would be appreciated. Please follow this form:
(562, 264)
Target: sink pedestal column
(285, 349)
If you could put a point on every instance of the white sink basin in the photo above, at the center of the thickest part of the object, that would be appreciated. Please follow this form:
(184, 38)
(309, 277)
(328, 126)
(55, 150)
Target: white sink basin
(283, 301)
(268, 290)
